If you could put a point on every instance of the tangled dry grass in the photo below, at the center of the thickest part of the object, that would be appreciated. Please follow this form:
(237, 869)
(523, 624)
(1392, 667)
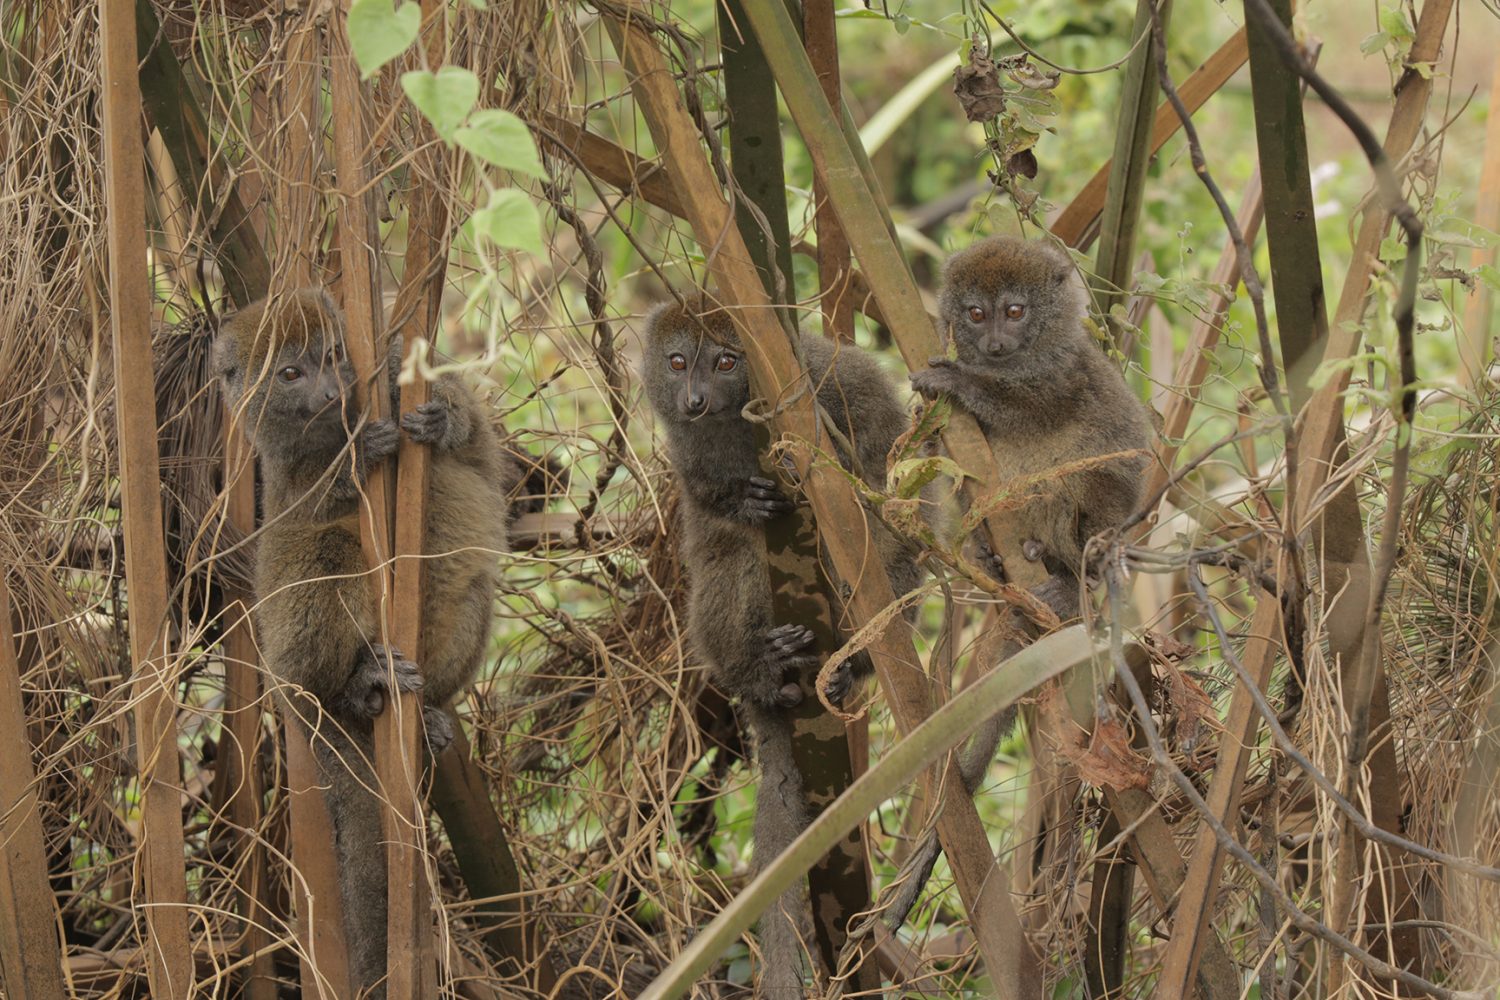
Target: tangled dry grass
(615, 769)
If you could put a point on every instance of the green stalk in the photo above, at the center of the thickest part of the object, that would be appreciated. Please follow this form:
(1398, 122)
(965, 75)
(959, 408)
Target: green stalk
(1127, 178)
(942, 731)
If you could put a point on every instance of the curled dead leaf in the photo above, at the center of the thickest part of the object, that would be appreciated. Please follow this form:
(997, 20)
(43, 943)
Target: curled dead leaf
(978, 89)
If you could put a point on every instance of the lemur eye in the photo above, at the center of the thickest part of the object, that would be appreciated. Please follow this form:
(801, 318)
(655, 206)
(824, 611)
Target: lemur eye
(1015, 310)
(976, 314)
(677, 362)
(727, 362)
(290, 374)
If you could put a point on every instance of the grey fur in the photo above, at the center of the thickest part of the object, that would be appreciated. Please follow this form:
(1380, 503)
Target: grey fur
(1045, 395)
(315, 619)
(725, 503)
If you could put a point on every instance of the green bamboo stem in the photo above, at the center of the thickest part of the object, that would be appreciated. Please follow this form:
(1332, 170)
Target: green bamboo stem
(1127, 178)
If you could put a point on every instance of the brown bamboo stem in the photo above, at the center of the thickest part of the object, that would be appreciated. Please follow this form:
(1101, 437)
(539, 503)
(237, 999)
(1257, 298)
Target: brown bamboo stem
(30, 950)
(164, 879)
(239, 754)
(411, 968)
(324, 971)
(820, 37)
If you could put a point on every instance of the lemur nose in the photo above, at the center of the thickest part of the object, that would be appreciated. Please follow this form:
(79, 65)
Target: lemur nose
(695, 400)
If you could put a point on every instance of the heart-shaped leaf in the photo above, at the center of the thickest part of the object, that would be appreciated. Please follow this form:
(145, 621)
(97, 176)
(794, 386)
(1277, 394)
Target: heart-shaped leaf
(445, 97)
(510, 221)
(501, 138)
(379, 32)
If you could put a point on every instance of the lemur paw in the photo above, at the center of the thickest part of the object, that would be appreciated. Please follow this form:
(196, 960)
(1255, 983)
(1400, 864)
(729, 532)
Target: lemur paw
(934, 380)
(764, 500)
(438, 726)
(840, 682)
(365, 694)
(785, 657)
(428, 423)
(378, 441)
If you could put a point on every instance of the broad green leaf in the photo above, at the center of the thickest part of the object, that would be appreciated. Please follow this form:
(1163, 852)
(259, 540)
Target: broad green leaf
(1374, 43)
(445, 97)
(510, 221)
(379, 32)
(501, 138)
(1394, 23)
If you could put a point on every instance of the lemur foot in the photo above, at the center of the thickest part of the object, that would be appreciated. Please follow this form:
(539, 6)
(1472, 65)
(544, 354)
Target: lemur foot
(438, 726)
(785, 657)
(365, 693)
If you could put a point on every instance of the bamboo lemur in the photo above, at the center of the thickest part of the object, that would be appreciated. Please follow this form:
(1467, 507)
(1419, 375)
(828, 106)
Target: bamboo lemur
(1045, 395)
(287, 379)
(698, 384)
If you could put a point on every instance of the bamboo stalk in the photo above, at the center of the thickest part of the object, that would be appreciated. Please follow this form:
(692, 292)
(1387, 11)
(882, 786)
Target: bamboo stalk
(840, 519)
(1127, 175)
(184, 129)
(411, 971)
(820, 38)
(1291, 228)
(30, 950)
(461, 797)
(164, 879)
(755, 154)
(240, 752)
(800, 591)
(1338, 531)
(324, 971)
(1477, 344)
(1078, 223)
(300, 102)
(1199, 890)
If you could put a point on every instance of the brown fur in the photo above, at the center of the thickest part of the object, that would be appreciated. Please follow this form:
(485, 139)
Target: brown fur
(315, 617)
(1046, 396)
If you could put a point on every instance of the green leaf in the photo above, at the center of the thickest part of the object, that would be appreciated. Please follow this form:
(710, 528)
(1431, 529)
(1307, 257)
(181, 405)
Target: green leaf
(510, 221)
(1490, 275)
(910, 477)
(445, 97)
(379, 33)
(1374, 43)
(1394, 23)
(501, 138)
